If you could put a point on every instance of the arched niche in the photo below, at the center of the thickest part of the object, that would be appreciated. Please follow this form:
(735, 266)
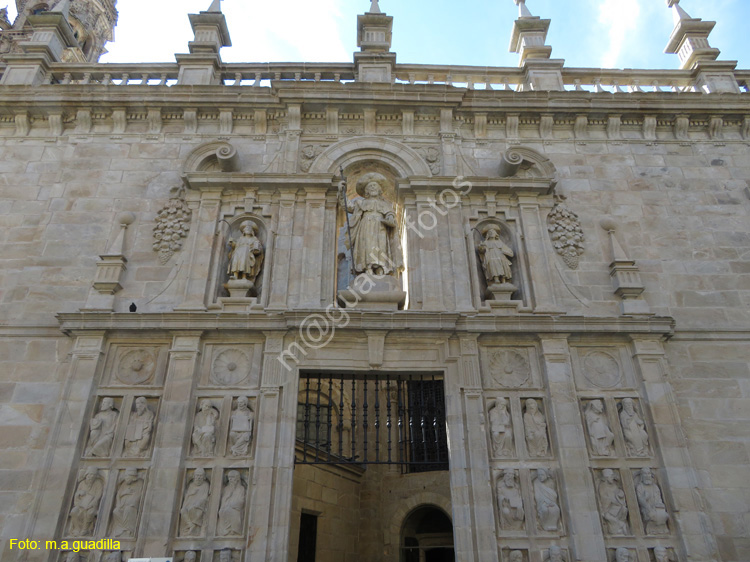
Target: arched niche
(218, 156)
(510, 237)
(404, 160)
(354, 169)
(426, 536)
(232, 231)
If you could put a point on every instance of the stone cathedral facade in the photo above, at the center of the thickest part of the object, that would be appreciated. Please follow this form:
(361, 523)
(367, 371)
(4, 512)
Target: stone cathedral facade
(371, 311)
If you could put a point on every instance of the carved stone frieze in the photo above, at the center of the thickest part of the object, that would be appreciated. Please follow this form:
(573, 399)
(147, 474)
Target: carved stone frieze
(172, 225)
(566, 233)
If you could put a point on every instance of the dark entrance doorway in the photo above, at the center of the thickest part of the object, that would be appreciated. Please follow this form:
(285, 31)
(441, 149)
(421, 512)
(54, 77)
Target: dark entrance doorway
(308, 536)
(427, 536)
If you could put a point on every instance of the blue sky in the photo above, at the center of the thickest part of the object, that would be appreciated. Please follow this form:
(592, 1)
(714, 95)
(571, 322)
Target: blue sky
(586, 33)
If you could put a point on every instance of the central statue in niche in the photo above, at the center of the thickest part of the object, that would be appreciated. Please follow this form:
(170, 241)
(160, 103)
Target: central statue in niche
(374, 237)
(373, 243)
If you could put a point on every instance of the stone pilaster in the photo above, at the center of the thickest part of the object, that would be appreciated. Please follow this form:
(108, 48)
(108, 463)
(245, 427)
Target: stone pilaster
(579, 501)
(271, 498)
(681, 482)
(312, 251)
(174, 412)
(282, 252)
(48, 515)
(474, 527)
(201, 253)
(535, 241)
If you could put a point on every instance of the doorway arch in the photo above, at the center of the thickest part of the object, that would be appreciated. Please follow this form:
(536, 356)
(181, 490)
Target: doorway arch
(427, 536)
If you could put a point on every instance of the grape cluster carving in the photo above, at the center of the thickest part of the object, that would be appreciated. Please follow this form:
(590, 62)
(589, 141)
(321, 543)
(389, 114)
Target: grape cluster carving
(172, 225)
(566, 234)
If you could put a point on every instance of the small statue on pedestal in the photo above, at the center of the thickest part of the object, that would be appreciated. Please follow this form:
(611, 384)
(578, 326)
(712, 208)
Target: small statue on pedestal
(495, 255)
(245, 260)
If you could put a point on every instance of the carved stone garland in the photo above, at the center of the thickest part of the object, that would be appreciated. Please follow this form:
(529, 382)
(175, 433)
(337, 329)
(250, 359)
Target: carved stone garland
(172, 225)
(566, 233)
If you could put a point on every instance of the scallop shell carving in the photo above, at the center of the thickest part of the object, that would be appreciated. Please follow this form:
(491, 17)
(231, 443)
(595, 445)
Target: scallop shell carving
(509, 368)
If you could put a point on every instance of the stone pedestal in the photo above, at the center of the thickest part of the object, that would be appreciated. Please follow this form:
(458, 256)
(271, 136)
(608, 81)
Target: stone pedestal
(369, 292)
(501, 291)
(238, 299)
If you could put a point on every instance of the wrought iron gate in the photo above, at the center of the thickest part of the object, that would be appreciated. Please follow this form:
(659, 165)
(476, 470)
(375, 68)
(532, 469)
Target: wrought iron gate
(372, 419)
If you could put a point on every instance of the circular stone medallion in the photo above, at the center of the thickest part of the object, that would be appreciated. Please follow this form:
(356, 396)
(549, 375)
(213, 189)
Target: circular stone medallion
(230, 367)
(136, 366)
(601, 369)
(509, 368)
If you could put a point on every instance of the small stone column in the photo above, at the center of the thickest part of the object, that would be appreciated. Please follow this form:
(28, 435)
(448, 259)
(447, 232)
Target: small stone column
(174, 413)
(587, 539)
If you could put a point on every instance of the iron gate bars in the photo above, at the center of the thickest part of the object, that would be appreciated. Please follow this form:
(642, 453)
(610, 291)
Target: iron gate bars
(361, 419)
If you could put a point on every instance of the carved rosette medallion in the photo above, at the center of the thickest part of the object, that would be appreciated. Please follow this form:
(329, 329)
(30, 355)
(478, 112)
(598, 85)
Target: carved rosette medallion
(601, 369)
(172, 225)
(230, 367)
(509, 368)
(566, 233)
(136, 366)
(308, 154)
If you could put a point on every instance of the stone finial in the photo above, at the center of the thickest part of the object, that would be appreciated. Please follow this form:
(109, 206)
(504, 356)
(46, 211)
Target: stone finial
(679, 13)
(523, 11)
(215, 6)
(625, 275)
(374, 62)
(374, 8)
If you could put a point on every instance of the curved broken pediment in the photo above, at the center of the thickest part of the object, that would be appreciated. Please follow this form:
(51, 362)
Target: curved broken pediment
(218, 156)
(523, 162)
(405, 160)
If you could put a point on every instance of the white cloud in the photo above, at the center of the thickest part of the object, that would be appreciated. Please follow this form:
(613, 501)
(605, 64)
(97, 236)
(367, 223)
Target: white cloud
(620, 20)
(288, 30)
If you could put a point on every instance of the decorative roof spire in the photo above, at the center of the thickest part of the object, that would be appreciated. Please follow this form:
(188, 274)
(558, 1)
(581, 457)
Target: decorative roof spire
(63, 7)
(523, 11)
(678, 14)
(374, 7)
(215, 6)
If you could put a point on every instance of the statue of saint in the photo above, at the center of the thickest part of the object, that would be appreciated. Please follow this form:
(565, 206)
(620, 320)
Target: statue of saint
(600, 435)
(547, 508)
(102, 430)
(194, 505)
(510, 502)
(501, 429)
(535, 429)
(653, 510)
(515, 556)
(246, 254)
(86, 500)
(138, 432)
(494, 255)
(232, 506)
(613, 505)
(377, 249)
(127, 500)
(241, 428)
(662, 554)
(633, 429)
(204, 430)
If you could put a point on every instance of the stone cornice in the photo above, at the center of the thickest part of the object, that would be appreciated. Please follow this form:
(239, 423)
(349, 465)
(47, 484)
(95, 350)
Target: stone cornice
(367, 320)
